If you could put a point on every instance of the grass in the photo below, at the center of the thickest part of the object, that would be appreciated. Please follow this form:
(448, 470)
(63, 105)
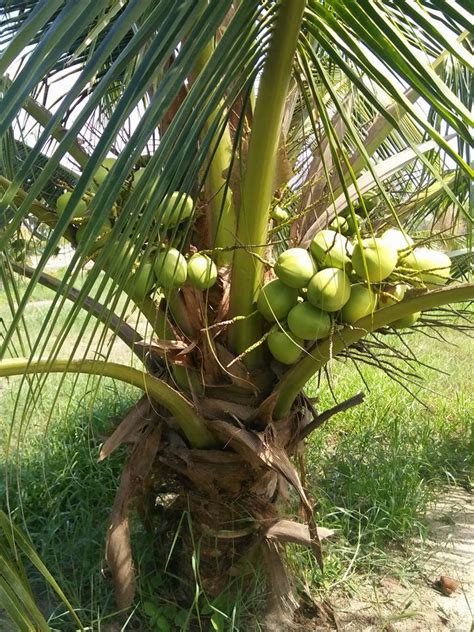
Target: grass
(373, 472)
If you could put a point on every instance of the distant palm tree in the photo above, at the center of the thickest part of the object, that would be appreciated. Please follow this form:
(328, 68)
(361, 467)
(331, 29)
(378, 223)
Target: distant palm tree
(238, 130)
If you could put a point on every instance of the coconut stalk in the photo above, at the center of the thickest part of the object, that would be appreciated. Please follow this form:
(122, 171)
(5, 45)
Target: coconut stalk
(258, 180)
(192, 425)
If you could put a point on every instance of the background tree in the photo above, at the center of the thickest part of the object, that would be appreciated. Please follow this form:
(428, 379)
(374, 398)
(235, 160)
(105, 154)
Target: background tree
(236, 130)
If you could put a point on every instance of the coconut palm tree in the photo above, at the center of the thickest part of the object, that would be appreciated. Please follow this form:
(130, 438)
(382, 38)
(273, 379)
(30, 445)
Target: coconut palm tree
(143, 133)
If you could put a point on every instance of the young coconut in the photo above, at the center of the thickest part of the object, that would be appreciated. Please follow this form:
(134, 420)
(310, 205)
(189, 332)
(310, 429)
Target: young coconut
(170, 268)
(362, 302)
(392, 294)
(80, 210)
(308, 322)
(103, 171)
(295, 267)
(379, 256)
(137, 175)
(276, 299)
(431, 267)
(202, 271)
(351, 223)
(99, 241)
(142, 281)
(329, 289)
(398, 239)
(175, 209)
(119, 258)
(284, 346)
(279, 214)
(339, 225)
(406, 321)
(331, 250)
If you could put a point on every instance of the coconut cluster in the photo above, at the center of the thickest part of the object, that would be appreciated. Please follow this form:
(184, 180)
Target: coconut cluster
(338, 281)
(167, 268)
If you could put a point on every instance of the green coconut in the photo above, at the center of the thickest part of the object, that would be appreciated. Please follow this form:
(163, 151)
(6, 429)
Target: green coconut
(378, 255)
(100, 239)
(370, 202)
(141, 282)
(339, 225)
(431, 267)
(392, 294)
(119, 258)
(137, 175)
(175, 209)
(309, 322)
(331, 250)
(202, 271)
(295, 267)
(284, 346)
(362, 302)
(329, 289)
(406, 321)
(103, 171)
(279, 214)
(351, 224)
(80, 214)
(398, 239)
(276, 299)
(171, 269)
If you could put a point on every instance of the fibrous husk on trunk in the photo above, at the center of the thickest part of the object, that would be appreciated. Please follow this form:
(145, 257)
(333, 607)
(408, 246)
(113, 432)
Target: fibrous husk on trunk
(235, 498)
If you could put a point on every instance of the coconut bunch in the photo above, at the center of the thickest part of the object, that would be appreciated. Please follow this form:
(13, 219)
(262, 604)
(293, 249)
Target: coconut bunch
(166, 268)
(337, 282)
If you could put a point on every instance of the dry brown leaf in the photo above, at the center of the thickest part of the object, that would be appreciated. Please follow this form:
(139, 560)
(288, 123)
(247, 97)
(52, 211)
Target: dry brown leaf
(290, 531)
(132, 424)
(118, 548)
(281, 603)
(221, 409)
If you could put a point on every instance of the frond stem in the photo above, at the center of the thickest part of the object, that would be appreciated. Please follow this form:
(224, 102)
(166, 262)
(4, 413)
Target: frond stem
(193, 426)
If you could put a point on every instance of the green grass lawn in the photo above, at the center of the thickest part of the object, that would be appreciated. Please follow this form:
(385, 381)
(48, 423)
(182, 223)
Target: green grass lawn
(372, 472)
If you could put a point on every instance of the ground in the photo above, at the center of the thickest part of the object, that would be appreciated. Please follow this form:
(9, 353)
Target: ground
(416, 604)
